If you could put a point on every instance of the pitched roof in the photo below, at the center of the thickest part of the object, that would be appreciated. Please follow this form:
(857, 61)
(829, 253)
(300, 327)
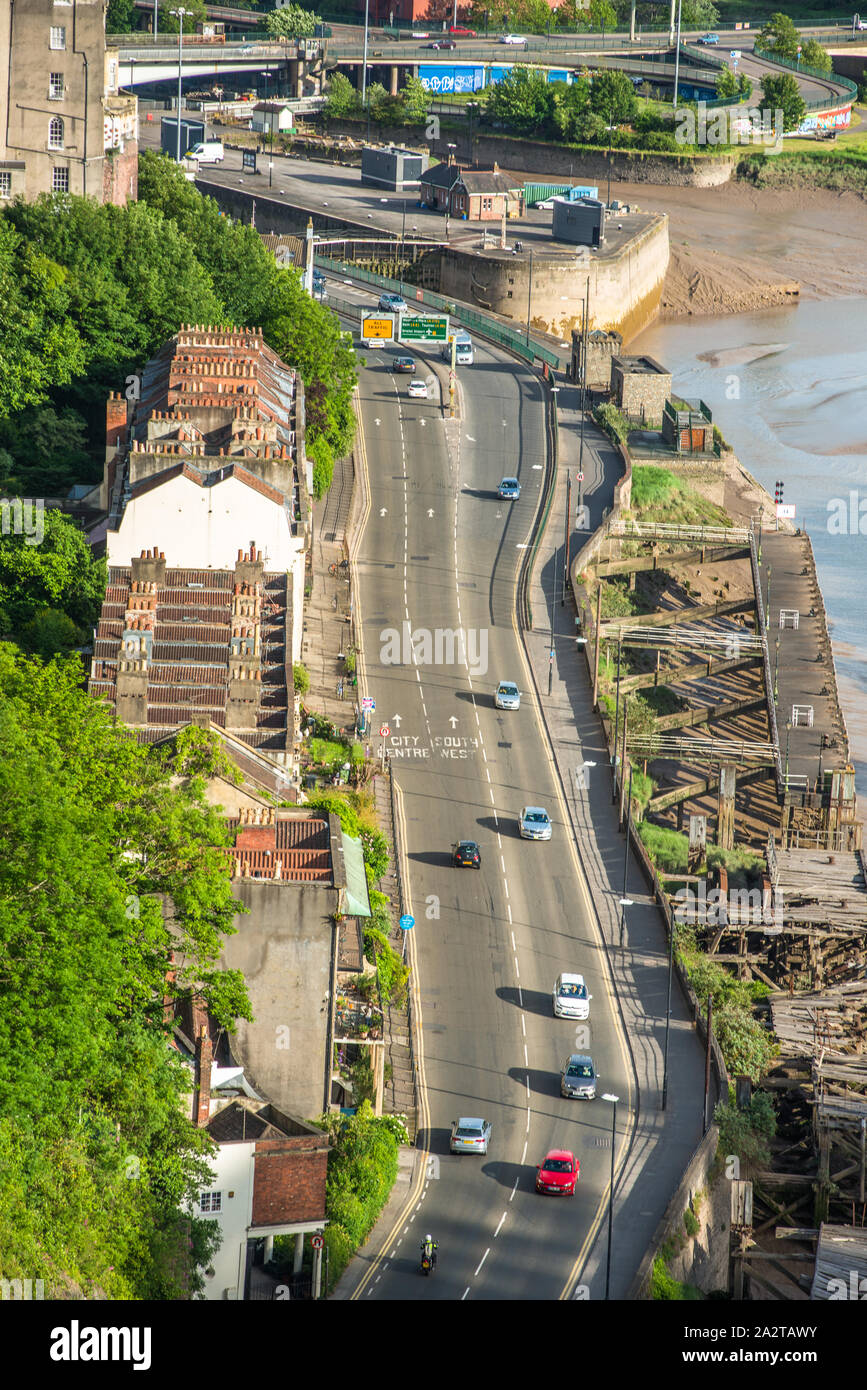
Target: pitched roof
(441, 175)
(488, 181)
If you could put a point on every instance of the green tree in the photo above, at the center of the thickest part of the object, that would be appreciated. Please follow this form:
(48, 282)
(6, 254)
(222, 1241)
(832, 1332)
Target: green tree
(40, 345)
(571, 107)
(782, 93)
(119, 17)
(59, 573)
(415, 99)
(300, 678)
(170, 24)
(292, 22)
(780, 36)
(342, 98)
(612, 95)
(49, 633)
(47, 453)
(813, 55)
(523, 101)
(726, 84)
(602, 15)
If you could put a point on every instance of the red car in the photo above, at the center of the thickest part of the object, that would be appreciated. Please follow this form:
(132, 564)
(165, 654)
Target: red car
(461, 33)
(558, 1173)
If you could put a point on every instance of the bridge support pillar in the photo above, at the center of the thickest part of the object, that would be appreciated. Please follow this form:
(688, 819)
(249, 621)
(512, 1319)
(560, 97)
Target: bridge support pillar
(393, 85)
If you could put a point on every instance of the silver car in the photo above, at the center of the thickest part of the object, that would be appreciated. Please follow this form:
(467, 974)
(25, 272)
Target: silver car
(569, 997)
(507, 696)
(578, 1078)
(470, 1136)
(534, 823)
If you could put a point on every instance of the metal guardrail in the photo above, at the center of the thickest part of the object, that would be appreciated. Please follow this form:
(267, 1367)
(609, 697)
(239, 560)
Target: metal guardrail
(683, 635)
(850, 89)
(498, 333)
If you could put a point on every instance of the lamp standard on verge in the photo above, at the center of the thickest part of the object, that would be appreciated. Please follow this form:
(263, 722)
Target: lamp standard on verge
(181, 14)
(613, 1102)
(788, 736)
(677, 56)
(668, 1015)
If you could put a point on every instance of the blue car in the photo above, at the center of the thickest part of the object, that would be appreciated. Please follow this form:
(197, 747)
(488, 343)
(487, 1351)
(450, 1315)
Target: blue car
(709, 38)
(509, 489)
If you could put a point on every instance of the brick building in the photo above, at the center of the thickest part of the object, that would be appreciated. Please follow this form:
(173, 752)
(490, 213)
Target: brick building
(602, 346)
(475, 195)
(64, 124)
(269, 1180)
(206, 501)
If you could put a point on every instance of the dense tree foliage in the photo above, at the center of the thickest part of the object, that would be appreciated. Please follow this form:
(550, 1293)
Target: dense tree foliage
(782, 93)
(97, 1159)
(43, 584)
(292, 22)
(780, 36)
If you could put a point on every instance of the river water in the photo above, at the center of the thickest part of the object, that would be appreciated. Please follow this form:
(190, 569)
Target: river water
(788, 389)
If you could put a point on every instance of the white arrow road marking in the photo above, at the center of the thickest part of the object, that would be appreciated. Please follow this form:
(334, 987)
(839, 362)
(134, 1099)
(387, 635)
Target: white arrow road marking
(377, 420)
(395, 719)
(452, 720)
(383, 511)
(537, 466)
(522, 545)
(422, 423)
(430, 511)
(470, 439)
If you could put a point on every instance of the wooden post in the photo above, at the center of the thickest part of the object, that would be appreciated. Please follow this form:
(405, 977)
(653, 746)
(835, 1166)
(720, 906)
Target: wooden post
(596, 655)
(725, 837)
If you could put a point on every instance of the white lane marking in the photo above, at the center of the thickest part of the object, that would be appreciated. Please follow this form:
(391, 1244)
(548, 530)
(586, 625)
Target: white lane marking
(528, 1119)
(524, 1154)
(528, 1085)
(478, 721)
(506, 886)
(499, 1228)
(516, 967)
(464, 1294)
(509, 910)
(377, 1279)
(520, 996)
(487, 772)
(499, 839)
(484, 755)
(523, 1026)
(526, 1056)
(502, 863)
(491, 794)
(482, 1261)
(514, 947)
(514, 1190)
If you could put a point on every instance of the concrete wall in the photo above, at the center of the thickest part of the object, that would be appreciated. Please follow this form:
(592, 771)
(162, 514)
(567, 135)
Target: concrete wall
(558, 160)
(625, 288)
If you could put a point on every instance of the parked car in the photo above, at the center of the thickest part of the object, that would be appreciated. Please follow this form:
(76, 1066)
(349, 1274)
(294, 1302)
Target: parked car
(466, 855)
(509, 490)
(708, 38)
(442, 43)
(578, 1078)
(516, 39)
(462, 33)
(207, 152)
(507, 696)
(470, 1136)
(569, 997)
(392, 303)
(558, 1173)
(534, 823)
(417, 388)
(404, 364)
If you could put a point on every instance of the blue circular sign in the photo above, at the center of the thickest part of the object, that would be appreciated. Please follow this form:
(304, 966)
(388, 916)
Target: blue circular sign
(406, 922)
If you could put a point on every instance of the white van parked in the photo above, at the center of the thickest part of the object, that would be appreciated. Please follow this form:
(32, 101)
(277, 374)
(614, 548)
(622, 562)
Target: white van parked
(463, 350)
(208, 152)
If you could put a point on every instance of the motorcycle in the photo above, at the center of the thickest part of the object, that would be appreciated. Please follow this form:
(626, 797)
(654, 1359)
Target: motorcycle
(428, 1263)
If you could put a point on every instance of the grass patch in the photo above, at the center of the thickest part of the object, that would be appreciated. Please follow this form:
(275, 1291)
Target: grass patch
(660, 495)
(328, 753)
(668, 849)
(743, 866)
(665, 1288)
(643, 787)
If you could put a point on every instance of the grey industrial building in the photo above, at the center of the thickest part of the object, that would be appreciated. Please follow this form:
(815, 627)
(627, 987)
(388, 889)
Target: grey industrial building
(387, 166)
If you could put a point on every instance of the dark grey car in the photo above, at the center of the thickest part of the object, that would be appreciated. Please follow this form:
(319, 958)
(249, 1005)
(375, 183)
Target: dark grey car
(578, 1078)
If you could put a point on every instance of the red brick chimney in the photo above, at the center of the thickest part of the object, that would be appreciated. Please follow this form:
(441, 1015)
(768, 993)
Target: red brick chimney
(115, 420)
(204, 1057)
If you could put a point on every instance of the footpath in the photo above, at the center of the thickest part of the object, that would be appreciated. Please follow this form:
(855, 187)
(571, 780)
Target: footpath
(662, 1142)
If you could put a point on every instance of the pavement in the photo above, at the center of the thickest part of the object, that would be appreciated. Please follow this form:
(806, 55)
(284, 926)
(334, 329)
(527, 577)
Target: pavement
(327, 610)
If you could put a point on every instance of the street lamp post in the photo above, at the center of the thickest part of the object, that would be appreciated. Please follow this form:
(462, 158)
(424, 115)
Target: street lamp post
(529, 298)
(613, 1101)
(364, 64)
(156, 17)
(402, 235)
(788, 736)
(677, 56)
(611, 129)
(776, 668)
(181, 14)
(624, 901)
(584, 328)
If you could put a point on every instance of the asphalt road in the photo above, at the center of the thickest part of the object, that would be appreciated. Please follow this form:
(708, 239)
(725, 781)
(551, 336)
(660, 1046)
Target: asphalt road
(441, 552)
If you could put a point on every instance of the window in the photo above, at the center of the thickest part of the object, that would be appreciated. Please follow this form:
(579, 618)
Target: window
(55, 86)
(58, 36)
(487, 204)
(55, 133)
(60, 180)
(211, 1201)
(5, 184)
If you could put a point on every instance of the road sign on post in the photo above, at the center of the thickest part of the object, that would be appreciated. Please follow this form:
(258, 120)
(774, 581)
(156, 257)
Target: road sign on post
(317, 1242)
(384, 731)
(407, 922)
(368, 702)
(423, 330)
(377, 329)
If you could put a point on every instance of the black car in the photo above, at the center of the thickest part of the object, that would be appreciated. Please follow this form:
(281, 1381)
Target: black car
(466, 855)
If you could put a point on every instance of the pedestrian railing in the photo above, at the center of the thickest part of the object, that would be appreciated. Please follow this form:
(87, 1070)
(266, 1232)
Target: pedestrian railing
(670, 531)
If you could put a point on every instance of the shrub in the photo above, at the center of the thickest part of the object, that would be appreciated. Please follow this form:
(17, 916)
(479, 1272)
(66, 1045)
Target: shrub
(691, 1222)
(668, 849)
(747, 1132)
(613, 422)
(301, 678)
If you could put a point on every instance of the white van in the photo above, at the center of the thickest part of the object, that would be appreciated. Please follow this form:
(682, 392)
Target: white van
(463, 350)
(208, 152)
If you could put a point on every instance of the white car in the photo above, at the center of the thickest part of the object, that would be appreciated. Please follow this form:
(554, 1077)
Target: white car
(569, 997)
(417, 388)
(517, 39)
(534, 823)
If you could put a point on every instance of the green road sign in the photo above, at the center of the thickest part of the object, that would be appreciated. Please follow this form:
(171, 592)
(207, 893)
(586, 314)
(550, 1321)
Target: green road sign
(423, 330)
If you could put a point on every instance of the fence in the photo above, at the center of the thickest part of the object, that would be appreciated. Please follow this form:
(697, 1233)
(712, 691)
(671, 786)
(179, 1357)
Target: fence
(766, 663)
(511, 339)
(850, 89)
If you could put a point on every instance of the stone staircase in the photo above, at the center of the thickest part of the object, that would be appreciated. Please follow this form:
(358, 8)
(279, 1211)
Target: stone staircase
(400, 1093)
